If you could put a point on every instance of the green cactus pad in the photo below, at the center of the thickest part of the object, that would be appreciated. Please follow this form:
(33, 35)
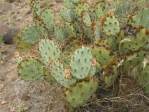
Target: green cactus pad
(142, 19)
(69, 4)
(48, 19)
(111, 26)
(133, 44)
(81, 92)
(81, 62)
(88, 32)
(102, 55)
(113, 42)
(59, 33)
(80, 8)
(100, 11)
(67, 14)
(35, 5)
(86, 19)
(69, 30)
(48, 51)
(28, 37)
(57, 71)
(31, 34)
(131, 62)
(124, 8)
(31, 69)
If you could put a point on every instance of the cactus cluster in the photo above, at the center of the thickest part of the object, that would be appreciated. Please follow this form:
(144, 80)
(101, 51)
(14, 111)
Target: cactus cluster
(85, 39)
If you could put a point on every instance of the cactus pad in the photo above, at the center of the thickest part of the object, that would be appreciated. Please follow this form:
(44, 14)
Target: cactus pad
(86, 19)
(48, 50)
(81, 62)
(133, 44)
(81, 92)
(69, 4)
(69, 30)
(57, 71)
(59, 33)
(111, 26)
(142, 19)
(102, 55)
(35, 5)
(80, 8)
(67, 14)
(100, 11)
(31, 69)
(31, 34)
(48, 19)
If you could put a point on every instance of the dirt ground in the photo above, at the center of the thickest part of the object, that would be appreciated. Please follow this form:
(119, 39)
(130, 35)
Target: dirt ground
(17, 95)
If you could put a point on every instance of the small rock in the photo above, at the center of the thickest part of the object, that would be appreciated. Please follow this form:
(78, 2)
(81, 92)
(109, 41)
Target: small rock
(3, 102)
(9, 36)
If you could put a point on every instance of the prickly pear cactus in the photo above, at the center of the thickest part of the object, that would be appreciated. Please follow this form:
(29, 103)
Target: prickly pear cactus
(86, 19)
(35, 6)
(67, 14)
(59, 33)
(111, 26)
(81, 92)
(28, 37)
(133, 44)
(99, 10)
(31, 34)
(102, 55)
(31, 69)
(123, 9)
(48, 51)
(69, 30)
(80, 8)
(116, 32)
(58, 72)
(81, 62)
(69, 4)
(132, 61)
(48, 19)
(142, 19)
